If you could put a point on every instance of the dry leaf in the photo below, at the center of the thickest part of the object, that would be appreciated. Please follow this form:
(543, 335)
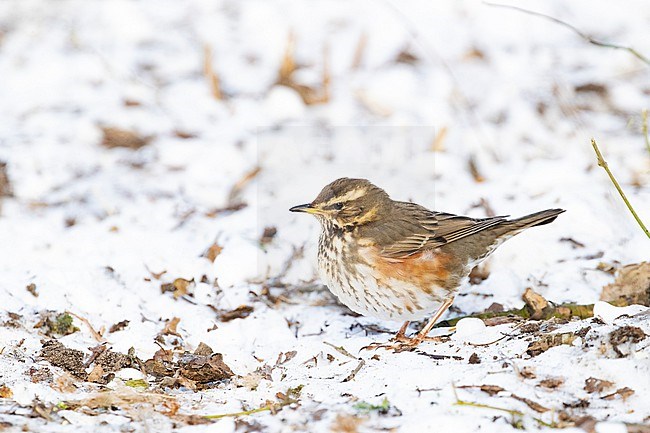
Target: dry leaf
(268, 235)
(535, 303)
(632, 286)
(625, 334)
(491, 389)
(240, 312)
(116, 137)
(123, 397)
(624, 393)
(406, 57)
(5, 186)
(118, 326)
(346, 424)
(531, 404)
(597, 385)
(5, 392)
(551, 382)
(213, 252)
(170, 327)
(31, 288)
(547, 341)
(180, 287)
(528, 372)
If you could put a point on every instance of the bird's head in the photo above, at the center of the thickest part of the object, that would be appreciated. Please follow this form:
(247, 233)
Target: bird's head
(348, 203)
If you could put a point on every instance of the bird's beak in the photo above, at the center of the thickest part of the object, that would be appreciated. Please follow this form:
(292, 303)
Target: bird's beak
(307, 208)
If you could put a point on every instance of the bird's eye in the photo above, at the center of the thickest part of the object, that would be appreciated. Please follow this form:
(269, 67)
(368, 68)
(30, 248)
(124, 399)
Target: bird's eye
(338, 206)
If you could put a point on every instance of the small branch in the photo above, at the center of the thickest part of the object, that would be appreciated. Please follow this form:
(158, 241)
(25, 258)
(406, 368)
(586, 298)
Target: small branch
(342, 350)
(560, 311)
(96, 335)
(268, 407)
(602, 163)
(354, 372)
(577, 31)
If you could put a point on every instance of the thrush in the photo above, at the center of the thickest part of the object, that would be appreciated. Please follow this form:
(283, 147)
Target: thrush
(397, 260)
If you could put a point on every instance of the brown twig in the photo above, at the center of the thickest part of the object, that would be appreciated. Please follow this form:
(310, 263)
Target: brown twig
(96, 335)
(602, 163)
(210, 74)
(354, 372)
(577, 31)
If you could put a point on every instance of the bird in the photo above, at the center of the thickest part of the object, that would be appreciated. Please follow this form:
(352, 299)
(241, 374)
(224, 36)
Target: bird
(399, 261)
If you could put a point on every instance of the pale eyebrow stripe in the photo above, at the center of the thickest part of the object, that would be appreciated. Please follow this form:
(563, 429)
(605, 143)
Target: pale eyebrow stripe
(349, 196)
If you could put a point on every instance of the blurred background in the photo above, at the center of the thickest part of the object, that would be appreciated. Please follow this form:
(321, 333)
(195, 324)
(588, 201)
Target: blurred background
(141, 142)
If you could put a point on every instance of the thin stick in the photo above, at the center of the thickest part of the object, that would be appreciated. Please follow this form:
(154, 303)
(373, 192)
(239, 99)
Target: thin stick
(96, 335)
(577, 31)
(243, 413)
(602, 163)
(644, 128)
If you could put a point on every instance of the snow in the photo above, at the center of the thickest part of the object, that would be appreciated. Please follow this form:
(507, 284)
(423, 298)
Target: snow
(89, 225)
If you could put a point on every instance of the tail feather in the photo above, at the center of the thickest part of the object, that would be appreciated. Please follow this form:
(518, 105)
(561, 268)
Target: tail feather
(538, 218)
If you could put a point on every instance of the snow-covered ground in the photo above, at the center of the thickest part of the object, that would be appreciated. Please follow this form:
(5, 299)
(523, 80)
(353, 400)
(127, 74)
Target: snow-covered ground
(417, 90)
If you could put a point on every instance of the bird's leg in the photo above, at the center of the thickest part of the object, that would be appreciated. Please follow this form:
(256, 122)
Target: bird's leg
(401, 342)
(422, 335)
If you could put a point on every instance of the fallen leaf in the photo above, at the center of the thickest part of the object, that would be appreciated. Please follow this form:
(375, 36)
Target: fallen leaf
(116, 137)
(240, 312)
(491, 389)
(474, 359)
(625, 334)
(528, 372)
(536, 303)
(118, 326)
(597, 385)
(31, 288)
(631, 286)
(212, 252)
(179, 287)
(170, 327)
(531, 404)
(5, 186)
(344, 423)
(624, 393)
(6, 392)
(268, 235)
(406, 57)
(547, 341)
(551, 382)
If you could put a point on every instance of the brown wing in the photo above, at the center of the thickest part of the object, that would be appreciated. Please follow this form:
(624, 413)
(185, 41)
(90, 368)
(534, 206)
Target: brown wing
(413, 229)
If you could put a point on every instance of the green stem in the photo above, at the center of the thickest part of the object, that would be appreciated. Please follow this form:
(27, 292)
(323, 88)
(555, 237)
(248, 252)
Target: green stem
(603, 164)
(242, 413)
(644, 128)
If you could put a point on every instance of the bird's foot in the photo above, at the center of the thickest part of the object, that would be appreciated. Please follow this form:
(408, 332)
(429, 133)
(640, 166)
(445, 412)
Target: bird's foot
(402, 343)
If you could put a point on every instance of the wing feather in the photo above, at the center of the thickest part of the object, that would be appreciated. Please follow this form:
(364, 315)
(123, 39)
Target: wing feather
(415, 229)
